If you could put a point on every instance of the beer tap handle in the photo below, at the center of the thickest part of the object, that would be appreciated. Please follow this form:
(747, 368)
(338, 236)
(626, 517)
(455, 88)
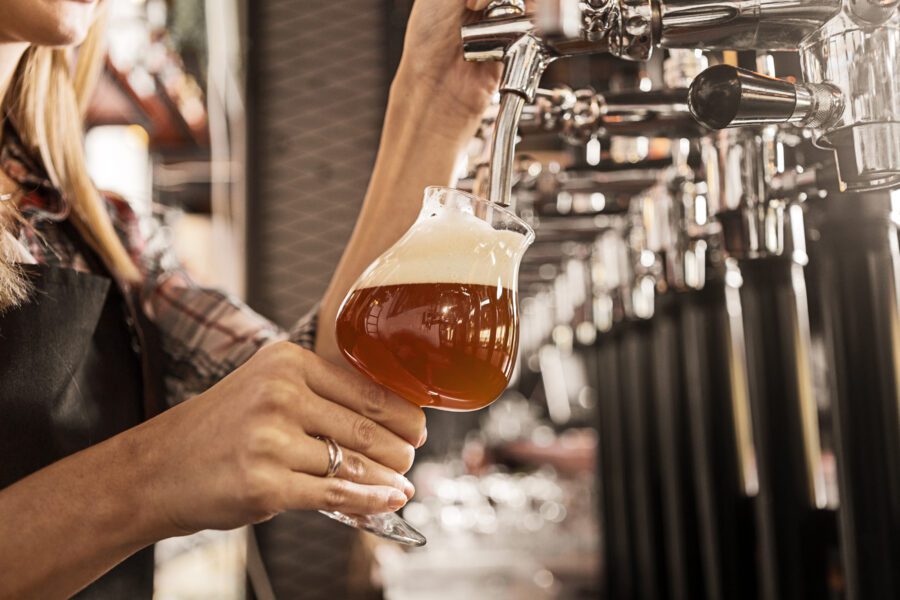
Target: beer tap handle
(726, 96)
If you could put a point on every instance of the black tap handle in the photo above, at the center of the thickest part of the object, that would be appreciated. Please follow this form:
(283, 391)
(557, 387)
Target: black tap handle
(726, 96)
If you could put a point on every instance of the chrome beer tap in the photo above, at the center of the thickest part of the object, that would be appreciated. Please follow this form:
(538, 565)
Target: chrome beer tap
(850, 100)
(581, 115)
(632, 28)
(507, 35)
(707, 435)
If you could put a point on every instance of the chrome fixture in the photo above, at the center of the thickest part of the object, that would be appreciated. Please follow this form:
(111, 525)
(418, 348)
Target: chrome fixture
(632, 28)
(726, 96)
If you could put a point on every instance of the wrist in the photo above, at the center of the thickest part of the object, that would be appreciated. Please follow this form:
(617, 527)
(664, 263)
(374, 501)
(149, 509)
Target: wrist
(141, 469)
(436, 108)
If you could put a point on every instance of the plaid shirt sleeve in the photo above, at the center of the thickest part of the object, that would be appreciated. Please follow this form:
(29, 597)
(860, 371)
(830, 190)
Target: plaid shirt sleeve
(205, 333)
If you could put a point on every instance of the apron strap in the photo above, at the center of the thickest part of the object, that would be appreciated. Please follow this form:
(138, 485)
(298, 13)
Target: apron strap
(142, 329)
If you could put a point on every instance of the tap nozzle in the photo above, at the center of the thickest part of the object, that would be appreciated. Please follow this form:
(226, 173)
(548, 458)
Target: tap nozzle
(726, 96)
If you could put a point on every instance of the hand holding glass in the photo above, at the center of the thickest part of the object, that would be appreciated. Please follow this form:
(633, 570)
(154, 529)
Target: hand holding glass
(435, 318)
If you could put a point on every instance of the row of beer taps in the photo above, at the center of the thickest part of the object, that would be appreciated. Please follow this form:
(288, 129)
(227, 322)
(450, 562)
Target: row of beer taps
(844, 101)
(753, 208)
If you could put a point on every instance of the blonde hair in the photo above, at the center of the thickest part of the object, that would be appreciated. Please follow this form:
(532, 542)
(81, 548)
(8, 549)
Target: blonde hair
(46, 100)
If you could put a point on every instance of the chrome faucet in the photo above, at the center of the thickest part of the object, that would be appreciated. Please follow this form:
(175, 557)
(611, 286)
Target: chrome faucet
(632, 28)
(507, 34)
(850, 101)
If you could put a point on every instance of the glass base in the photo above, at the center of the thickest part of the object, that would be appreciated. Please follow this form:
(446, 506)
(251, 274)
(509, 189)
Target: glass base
(385, 525)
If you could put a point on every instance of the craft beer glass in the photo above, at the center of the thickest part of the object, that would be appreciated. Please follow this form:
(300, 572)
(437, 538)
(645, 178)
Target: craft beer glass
(435, 318)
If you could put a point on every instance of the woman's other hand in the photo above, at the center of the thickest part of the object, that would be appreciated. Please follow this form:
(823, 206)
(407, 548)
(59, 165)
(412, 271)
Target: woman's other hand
(246, 449)
(433, 58)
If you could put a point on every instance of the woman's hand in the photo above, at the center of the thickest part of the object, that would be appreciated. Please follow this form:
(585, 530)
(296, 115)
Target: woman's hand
(239, 453)
(433, 58)
(245, 450)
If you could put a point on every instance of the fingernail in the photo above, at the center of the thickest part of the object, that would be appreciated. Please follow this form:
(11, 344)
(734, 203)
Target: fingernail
(408, 488)
(396, 500)
(423, 439)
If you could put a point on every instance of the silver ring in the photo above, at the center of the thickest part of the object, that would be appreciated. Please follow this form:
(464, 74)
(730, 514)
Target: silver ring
(335, 456)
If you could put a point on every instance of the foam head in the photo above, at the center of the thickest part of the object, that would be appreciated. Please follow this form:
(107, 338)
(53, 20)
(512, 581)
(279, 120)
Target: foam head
(449, 245)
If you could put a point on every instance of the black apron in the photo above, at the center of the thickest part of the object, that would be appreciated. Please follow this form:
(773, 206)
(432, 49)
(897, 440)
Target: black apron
(74, 361)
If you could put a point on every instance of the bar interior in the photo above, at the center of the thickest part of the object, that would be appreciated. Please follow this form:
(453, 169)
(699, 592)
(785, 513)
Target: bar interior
(705, 401)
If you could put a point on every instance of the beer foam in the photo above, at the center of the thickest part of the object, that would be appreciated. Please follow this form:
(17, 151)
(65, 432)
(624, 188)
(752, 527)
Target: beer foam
(450, 246)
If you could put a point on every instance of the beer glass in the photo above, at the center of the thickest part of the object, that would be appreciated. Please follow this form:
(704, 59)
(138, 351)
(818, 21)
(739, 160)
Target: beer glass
(435, 318)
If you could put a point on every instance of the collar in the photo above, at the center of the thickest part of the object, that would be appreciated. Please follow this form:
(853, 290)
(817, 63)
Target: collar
(41, 200)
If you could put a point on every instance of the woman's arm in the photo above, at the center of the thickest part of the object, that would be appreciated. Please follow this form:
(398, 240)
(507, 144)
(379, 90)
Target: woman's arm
(436, 103)
(435, 106)
(240, 453)
(68, 524)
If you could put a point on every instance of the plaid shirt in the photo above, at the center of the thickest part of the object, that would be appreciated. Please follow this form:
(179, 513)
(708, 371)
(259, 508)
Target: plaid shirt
(205, 333)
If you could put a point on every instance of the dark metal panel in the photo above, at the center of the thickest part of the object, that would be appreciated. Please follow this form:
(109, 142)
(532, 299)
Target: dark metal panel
(855, 259)
(318, 84)
(317, 87)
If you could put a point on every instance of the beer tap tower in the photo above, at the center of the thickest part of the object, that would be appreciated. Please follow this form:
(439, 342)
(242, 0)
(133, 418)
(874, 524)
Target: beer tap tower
(660, 261)
(850, 102)
(654, 262)
(700, 377)
(628, 29)
(678, 253)
(764, 237)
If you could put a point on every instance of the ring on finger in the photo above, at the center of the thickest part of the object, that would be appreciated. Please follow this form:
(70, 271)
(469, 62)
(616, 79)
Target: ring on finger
(335, 455)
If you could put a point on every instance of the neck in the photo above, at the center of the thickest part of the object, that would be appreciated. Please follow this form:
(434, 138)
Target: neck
(10, 54)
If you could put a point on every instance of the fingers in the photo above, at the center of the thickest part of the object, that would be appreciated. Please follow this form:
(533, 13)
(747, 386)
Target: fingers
(309, 455)
(303, 491)
(357, 432)
(369, 399)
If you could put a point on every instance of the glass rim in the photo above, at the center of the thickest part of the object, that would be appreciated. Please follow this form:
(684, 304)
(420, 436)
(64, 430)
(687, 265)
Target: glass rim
(529, 230)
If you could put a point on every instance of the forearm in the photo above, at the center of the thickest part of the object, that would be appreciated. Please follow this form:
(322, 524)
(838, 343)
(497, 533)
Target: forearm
(66, 525)
(422, 139)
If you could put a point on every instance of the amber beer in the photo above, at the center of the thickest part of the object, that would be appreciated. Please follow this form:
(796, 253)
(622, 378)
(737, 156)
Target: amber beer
(443, 345)
(435, 317)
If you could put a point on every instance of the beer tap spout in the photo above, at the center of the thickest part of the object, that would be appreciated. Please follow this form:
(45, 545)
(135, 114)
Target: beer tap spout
(503, 149)
(524, 62)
